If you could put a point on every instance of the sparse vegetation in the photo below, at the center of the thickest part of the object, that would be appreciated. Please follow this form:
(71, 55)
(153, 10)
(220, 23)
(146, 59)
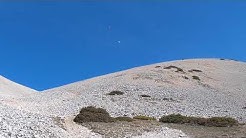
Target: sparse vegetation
(116, 93)
(92, 114)
(214, 121)
(185, 77)
(221, 122)
(144, 95)
(141, 117)
(244, 107)
(157, 66)
(196, 78)
(59, 122)
(195, 70)
(174, 67)
(179, 70)
(168, 99)
(124, 118)
(174, 118)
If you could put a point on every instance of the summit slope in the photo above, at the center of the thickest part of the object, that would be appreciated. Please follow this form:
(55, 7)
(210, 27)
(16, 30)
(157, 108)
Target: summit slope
(195, 87)
(10, 88)
(219, 91)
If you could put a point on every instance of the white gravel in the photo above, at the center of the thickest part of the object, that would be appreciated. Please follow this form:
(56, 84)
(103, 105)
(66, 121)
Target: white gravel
(164, 133)
(220, 92)
(16, 123)
(10, 88)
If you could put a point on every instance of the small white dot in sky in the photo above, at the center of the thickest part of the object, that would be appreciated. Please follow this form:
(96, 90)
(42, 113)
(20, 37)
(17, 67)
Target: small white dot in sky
(109, 27)
(119, 42)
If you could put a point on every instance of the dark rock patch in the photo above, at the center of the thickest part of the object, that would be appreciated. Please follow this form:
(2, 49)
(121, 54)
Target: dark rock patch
(116, 93)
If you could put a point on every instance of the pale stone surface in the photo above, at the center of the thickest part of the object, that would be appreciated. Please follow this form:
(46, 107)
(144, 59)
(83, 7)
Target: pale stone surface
(220, 92)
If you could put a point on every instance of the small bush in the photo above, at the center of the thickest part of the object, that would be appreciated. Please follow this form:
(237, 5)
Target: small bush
(157, 66)
(244, 107)
(116, 93)
(124, 118)
(179, 70)
(214, 121)
(195, 70)
(196, 78)
(92, 114)
(174, 118)
(144, 95)
(140, 117)
(221, 122)
(174, 67)
(185, 77)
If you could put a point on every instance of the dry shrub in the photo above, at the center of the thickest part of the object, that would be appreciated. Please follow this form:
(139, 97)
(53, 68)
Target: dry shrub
(214, 121)
(174, 67)
(92, 114)
(116, 93)
(141, 117)
(124, 118)
(145, 95)
(196, 78)
(195, 70)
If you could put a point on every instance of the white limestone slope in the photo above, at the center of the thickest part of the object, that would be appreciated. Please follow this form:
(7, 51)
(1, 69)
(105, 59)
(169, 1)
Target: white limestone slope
(10, 88)
(18, 122)
(220, 92)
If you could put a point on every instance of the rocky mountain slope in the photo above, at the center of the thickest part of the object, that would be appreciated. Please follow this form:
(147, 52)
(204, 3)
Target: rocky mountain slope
(197, 87)
(10, 88)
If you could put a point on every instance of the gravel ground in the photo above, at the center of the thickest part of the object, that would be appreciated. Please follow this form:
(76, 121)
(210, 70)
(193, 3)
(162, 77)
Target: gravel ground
(10, 88)
(163, 133)
(219, 92)
(135, 129)
(211, 132)
(15, 124)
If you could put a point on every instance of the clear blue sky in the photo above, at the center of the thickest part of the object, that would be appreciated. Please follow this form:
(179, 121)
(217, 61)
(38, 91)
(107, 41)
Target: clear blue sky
(48, 44)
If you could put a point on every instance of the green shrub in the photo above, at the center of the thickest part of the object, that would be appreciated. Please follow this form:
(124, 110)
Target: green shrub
(141, 117)
(214, 121)
(221, 122)
(124, 118)
(174, 118)
(92, 114)
(197, 121)
(116, 93)
(196, 78)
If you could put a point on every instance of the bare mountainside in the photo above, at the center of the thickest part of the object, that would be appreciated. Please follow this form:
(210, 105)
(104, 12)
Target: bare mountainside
(197, 87)
(10, 88)
(219, 92)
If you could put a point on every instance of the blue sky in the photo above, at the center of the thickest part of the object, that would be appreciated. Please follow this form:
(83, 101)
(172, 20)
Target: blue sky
(48, 44)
